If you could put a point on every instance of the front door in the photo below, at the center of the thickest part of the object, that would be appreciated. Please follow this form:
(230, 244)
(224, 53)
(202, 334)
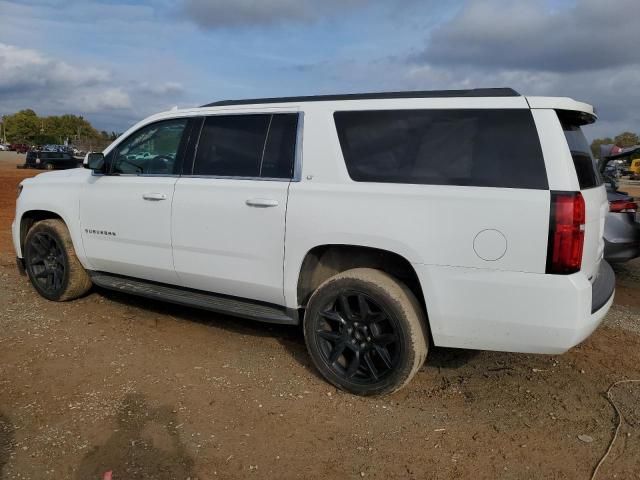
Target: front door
(126, 214)
(229, 214)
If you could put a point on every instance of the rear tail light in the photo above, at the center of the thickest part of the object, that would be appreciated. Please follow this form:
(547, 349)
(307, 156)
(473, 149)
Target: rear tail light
(620, 206)
(566, 233)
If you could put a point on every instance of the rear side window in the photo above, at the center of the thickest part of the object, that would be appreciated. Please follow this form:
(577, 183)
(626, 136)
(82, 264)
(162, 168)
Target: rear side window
(585, 164)
(260, 145)
(280, 150)
(231, 145)
(486, 148)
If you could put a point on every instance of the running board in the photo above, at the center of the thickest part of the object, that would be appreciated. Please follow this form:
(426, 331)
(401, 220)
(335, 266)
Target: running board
(195, 298)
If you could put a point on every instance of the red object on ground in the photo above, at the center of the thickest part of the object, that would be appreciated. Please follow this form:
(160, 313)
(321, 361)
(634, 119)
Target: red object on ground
(107, 475)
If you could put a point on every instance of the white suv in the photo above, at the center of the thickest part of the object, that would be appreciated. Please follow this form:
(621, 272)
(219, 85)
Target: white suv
(381, 222)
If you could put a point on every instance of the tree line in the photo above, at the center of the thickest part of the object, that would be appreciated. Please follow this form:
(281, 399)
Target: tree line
(27, 127)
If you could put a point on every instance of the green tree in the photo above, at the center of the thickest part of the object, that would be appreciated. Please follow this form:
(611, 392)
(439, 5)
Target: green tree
(26, 127)
(71, 127)
(626, 139)
(22, 127)
(595, 145)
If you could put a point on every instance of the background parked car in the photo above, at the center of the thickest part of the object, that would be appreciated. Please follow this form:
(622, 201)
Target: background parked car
(621, 229)
(3, 147)
(634, 169)
(19, 147)
(77, 152)
(50, 160)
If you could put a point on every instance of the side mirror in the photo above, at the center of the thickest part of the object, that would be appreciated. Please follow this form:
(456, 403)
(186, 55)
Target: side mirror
(94, 161)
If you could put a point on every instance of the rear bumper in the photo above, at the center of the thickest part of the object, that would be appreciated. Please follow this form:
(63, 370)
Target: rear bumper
(603, 287)
(621, 252)
(513, 311)
(621, 237)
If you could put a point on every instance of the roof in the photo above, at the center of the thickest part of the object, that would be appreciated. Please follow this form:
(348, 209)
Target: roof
(476, 92)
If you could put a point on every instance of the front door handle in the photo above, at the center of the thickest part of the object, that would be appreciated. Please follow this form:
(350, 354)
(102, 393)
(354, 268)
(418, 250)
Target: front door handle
(262, 202)
(154, 196)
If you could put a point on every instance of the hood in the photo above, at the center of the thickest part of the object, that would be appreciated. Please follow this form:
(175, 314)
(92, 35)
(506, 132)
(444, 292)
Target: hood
(59, 175)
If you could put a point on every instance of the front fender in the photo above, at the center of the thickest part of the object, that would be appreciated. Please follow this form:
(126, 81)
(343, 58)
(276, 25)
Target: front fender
(49, 199)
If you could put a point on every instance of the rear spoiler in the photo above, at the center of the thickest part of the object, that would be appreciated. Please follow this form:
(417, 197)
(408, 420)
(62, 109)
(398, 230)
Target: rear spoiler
(577, 113)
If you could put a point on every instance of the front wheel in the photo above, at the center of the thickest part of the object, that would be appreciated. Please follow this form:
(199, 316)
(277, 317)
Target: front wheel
(51, 262)
(366, 332)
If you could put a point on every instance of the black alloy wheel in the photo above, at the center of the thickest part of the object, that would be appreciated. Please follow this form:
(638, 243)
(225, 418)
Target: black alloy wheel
(366, 331)
(46, 264)
(358, 339)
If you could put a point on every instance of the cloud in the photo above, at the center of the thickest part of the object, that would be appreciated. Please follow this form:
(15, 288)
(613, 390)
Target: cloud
(31, 79)
(527, 35)
(240, 13)
(166, 88)
(613, 92)
(24, 69)
(109, 99)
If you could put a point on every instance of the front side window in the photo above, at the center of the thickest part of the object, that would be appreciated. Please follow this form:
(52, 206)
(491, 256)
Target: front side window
(252, 145)
(152, 150)
(486, 148)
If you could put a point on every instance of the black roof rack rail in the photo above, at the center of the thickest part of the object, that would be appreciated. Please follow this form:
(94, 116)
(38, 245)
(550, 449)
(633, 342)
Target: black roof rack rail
(476, 92)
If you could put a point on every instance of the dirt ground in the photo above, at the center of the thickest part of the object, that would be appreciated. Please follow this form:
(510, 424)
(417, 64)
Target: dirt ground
(154, 391)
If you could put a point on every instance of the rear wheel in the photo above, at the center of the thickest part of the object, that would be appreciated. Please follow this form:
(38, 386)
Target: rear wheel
(366, 332)
(52, 264)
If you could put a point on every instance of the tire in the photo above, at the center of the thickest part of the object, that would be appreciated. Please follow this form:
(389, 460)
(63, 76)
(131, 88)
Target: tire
(51, 262)
(49, 166)
(366, 332)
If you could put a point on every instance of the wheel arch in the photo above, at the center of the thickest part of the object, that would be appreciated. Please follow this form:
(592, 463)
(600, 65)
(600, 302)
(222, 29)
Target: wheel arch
(29, 219)
(324, 261)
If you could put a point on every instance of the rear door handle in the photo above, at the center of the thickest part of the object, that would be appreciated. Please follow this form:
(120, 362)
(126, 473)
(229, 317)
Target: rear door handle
(154, 196)
(262, 202)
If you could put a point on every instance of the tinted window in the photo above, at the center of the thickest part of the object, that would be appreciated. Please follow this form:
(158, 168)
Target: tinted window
(492, 148)
(586, 167)
(231, 145)
(247, 146)
(280, 151)
(54, 156)
(151, 150)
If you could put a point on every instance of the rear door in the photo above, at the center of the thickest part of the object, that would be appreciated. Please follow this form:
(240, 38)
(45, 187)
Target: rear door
(592, 190)
(229, 210)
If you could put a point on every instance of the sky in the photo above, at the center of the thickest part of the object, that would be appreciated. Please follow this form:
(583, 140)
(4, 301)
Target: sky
(116, 62)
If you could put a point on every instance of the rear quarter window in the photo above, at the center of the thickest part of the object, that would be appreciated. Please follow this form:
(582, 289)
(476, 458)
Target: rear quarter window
(486, 148)
(583, 161)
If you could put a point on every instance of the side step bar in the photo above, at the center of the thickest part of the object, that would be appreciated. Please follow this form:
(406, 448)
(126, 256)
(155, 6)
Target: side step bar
(195, 298)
